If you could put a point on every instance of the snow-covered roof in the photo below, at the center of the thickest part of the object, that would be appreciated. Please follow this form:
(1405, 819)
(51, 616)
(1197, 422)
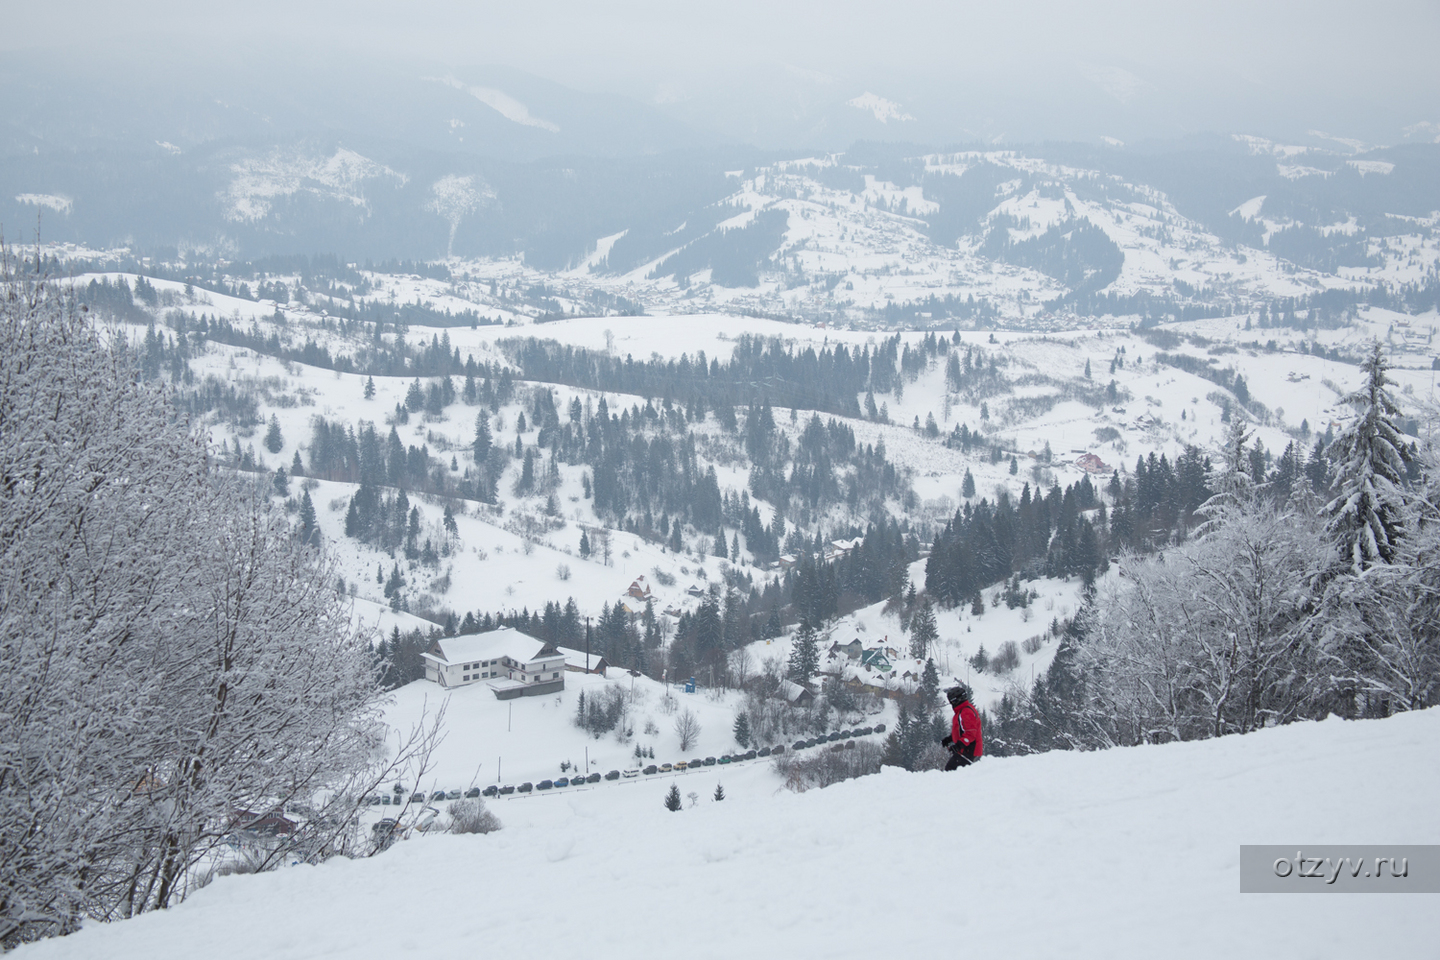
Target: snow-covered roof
(505, 642)
(791, 690)
(576, 658)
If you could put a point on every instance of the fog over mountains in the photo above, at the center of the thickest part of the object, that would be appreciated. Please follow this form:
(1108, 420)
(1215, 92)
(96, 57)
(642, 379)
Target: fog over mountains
(545, 132)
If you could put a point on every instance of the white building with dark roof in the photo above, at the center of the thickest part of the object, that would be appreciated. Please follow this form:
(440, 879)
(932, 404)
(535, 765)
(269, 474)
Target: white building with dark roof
(507, 661)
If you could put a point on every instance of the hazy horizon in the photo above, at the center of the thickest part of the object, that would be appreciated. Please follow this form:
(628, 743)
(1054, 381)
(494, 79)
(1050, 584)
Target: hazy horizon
(784, 77)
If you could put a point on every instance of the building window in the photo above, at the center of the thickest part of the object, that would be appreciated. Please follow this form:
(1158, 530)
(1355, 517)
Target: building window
(554, 676)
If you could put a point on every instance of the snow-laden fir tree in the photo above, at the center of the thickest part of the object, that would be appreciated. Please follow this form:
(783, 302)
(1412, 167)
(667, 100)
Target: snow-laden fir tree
(481, 445)
(923, 632)
(274, 440)
(742, 729)
(1230, 481)
(1366, 517)
(804, 655)
(309, 532)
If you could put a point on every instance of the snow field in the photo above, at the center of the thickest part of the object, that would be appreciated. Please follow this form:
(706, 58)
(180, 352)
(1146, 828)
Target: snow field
(1129, 852)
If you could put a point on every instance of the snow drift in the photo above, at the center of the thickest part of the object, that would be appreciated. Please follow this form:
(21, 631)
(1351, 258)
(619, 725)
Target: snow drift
(1129, 852)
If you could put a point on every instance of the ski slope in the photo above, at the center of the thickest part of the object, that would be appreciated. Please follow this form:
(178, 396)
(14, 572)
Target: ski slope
(1123, 853)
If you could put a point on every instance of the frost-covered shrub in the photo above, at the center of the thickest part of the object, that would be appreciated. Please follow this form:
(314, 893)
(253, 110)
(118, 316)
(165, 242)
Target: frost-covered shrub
(1007, 658)
(471, 816)
(825, 767)
(212, 646)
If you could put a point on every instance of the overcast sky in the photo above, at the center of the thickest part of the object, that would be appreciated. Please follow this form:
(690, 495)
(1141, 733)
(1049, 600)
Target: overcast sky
(1367, 70)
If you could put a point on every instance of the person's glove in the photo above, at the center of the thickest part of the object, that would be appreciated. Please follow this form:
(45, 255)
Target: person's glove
(947, 741)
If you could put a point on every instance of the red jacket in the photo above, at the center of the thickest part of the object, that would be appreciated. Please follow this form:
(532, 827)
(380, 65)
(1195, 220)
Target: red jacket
(965, 730)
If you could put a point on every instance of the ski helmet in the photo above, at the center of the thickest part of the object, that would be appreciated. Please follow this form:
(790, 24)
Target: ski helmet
(957, 694)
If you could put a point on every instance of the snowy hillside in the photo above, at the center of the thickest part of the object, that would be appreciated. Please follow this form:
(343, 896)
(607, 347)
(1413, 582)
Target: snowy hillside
(1129, 852)
(517, 554)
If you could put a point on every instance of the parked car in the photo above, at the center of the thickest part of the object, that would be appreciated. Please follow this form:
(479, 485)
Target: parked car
(709, 761)
(778, 750)
(799, 745)
(749, 755)
(490, 791)
(385, 799)
(681, 765)
(631, 772)
(508, 789)
(593, 778)
(544, 784)
(697, 762)
(666, 768)
(453, 795)
(385, 832)
(650, 770)
(437, 795)
(417, 798)
(563, 782)
(613, 775)
(472, 794)
(763, 752)
(372, 801)
(879, 728)
(724, 759)
(526, 787)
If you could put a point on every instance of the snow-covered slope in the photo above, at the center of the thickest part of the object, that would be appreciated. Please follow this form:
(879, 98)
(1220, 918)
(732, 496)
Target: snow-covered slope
(1124, 853)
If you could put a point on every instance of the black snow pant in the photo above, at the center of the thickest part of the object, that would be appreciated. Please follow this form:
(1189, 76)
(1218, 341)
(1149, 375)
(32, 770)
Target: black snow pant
(958, 759)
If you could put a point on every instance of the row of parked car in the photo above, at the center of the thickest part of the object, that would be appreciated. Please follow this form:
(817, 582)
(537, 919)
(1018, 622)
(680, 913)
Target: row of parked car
(497, 790)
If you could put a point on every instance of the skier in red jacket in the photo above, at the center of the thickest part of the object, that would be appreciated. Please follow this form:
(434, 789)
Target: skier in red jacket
(965, 743)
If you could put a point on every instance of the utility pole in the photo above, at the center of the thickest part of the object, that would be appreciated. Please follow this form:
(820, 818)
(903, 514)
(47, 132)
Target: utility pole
(587, 644)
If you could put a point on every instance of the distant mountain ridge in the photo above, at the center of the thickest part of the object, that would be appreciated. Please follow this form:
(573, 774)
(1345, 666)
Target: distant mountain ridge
(407, 164)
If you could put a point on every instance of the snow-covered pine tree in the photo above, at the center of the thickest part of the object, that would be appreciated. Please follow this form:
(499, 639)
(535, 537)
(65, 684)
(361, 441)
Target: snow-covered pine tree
(1366, 518)
(274, 441)
(1230, 480)
(742, 729)
(672, 799)
(309, 526)
(929, 692)
(923, 632)
(804, 655)
(481, 444)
